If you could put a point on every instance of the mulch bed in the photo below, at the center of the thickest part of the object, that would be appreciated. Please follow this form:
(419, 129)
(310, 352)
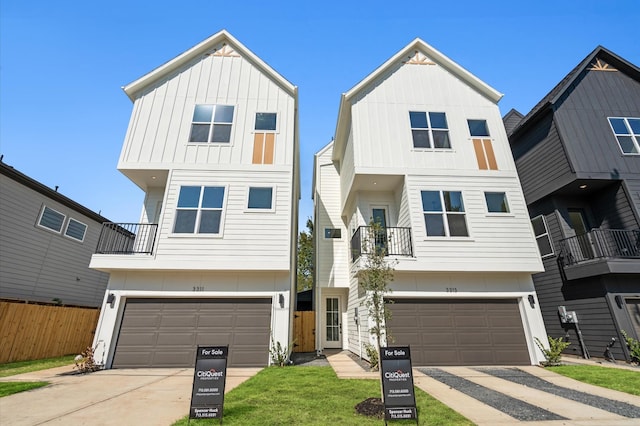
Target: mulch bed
(372, 407)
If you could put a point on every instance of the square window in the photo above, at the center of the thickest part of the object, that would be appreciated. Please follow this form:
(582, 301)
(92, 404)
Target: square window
(444, 214)
(75, 230)
(211, 123)
(478, 127)
(260, 198)
(266, 121)
(332, 233)
(627, 133)
(496, 202)
(51, 219)
(429, 130)
(199, 210)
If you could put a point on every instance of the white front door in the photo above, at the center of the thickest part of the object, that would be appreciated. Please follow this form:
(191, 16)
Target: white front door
(332, 324)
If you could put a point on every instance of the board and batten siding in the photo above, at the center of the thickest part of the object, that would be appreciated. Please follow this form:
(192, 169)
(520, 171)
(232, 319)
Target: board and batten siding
(582, 120)
(332, 259)
(37, 264)
(160, 125)
(496, 242)
(382, 129)
(248, 240)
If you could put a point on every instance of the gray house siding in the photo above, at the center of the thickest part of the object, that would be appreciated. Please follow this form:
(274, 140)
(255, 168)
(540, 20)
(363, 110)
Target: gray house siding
(582, 121)
(540, 159)
(37, 264)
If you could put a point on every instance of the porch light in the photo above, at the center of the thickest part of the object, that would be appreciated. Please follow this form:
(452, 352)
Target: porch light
(110, 299)
(281, 300)
(532, 301)
(583, 186)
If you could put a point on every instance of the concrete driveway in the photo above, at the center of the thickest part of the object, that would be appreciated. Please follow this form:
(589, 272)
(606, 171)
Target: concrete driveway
(149, 396)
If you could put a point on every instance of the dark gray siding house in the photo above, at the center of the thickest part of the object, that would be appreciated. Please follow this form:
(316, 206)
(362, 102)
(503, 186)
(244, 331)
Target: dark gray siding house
(578, 157)
(46, 243)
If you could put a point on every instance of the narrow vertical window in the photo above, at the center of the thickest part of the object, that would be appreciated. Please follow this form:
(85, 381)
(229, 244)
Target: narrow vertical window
(482, 145)
(543, 239)
(264, 138)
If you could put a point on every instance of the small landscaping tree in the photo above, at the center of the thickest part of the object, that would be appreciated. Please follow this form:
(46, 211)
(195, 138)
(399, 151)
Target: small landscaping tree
(634, 347)
(374, 279)
(554, 353)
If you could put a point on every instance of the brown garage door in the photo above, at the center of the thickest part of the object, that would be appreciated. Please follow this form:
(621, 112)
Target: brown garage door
(166, 332)
(459, 332)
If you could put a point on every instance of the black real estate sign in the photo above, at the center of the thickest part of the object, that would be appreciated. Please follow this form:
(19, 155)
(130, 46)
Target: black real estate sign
(397, 383)
(207, 396)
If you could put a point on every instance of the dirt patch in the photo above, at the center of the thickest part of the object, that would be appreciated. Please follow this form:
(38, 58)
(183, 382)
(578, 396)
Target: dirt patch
(371, 407)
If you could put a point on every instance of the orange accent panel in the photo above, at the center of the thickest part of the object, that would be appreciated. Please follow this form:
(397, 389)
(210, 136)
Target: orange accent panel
(488, 148)
(258, 143)
(477, 146)
(269, 145)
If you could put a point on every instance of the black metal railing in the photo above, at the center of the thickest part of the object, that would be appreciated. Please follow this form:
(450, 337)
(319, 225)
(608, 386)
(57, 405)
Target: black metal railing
(127, 238)
(599, 244)
(392, 241)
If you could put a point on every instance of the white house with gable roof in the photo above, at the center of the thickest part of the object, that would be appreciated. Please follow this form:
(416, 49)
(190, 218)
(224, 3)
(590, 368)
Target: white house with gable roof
(213, 143)
(420, 148)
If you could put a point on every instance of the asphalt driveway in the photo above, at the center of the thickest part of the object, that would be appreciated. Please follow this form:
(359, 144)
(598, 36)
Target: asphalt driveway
(157, 396)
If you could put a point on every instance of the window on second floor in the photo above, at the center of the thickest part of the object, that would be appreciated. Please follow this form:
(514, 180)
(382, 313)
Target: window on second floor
(444, 214)
(260, 198)
(542, 235)
(496, 202)
(211, 123)
(429, 129)
(51, 219)
(627, 132)
(199, 210)
(332, 233)
(75, 230)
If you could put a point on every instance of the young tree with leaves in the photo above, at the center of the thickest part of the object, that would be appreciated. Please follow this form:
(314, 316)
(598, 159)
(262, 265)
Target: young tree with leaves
(305, 258)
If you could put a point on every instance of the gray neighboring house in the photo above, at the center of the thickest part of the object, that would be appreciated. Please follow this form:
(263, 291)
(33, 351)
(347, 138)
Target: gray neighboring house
(46, 243)
(578, 157)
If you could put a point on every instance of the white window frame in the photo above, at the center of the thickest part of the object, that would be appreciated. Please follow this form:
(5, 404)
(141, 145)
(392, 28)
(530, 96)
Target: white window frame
(328, 228)
(199, 210)
(259, 210)
(66, 230)
(545, 234)
(635, 137)
(506, 200)
(212, 124)
(255, 121)
(444, 212)
(40, 225)
(429, 129)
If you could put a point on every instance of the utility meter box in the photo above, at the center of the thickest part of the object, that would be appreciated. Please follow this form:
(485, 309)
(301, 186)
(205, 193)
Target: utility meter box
(567, 317)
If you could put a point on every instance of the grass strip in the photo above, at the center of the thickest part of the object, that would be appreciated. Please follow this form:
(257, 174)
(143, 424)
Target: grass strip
(314, 396)
(611, 378)
(19, 367)
(9, 388)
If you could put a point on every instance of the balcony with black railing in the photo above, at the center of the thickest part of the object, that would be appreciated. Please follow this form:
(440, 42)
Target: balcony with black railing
(600, 251)
(393, 241)
(127, 238)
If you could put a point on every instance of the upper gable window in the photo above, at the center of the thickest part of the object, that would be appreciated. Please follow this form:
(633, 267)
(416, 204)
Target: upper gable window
(429, 129)
(627, 132)
(266, 121)
(51, 219)
(75, 230)
(199, 210)
(211, 123)
(478, 127)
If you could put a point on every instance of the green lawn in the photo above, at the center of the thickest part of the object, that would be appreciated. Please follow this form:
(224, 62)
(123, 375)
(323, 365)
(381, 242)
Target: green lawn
(314, 396)
(611, 378)
(9, 388)
(13, 368)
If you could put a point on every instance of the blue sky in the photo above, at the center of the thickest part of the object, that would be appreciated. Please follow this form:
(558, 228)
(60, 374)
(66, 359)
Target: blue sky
(63, 115)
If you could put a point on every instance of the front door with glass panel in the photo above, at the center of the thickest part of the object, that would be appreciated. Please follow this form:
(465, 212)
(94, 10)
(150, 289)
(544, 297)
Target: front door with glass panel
(578, 223)
(333, 324)
(379, 216)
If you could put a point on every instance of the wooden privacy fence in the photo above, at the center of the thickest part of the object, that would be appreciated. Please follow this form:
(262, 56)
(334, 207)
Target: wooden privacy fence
(304, 331)
(42, 331)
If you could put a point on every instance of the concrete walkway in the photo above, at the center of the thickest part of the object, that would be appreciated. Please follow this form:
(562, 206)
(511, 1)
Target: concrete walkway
(570, 412)
(145, 396)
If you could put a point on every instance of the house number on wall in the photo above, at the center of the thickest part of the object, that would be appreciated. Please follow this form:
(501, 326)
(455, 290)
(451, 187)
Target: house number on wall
(198, 288)
(452, 289)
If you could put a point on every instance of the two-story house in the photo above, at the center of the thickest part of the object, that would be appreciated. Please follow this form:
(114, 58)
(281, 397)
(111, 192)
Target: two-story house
(46, 244)
(578, 156)
(420, 148)
(213, 142)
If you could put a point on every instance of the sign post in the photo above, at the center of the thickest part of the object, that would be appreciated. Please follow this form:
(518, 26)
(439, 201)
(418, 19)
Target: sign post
(207, 396)
(397, 384)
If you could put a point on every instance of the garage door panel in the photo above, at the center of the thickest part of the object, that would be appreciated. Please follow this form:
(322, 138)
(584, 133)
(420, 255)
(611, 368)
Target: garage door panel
(165, 332)
(460, 331)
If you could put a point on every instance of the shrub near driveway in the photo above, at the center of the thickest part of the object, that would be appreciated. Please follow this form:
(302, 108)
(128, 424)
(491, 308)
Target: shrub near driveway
(314, 396)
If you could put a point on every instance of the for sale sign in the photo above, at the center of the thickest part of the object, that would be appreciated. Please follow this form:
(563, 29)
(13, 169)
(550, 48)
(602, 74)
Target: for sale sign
(209, 377)
(397, 383)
